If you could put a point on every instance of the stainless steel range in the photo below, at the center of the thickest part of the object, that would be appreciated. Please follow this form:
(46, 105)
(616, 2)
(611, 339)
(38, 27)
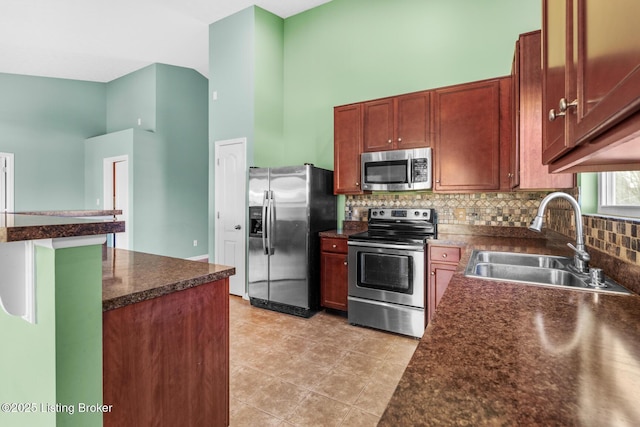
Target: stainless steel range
(387, 286)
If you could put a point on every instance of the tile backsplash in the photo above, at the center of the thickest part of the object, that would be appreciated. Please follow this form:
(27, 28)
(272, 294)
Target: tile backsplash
(616, 237)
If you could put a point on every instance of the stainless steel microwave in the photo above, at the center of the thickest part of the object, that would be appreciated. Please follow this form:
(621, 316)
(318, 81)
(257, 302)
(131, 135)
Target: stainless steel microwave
(397, 170)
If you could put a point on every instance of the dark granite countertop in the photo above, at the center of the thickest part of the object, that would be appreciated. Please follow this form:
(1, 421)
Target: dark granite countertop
(129, 277)
(75, 213)
(519, 355)
(342, 234)
(16, 227)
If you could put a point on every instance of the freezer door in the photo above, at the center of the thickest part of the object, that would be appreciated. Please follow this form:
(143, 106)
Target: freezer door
(258, 262)
(288, 263)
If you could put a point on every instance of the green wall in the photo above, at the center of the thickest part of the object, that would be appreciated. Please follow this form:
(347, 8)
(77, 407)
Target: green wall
(269, 88)
(354, 50)
(131, 98)
(347, 51)
(168, 167)
(44, 122)
(59, 358)
(182, 111)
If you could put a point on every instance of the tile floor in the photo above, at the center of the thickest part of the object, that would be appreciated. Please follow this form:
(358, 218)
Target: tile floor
(289, 371)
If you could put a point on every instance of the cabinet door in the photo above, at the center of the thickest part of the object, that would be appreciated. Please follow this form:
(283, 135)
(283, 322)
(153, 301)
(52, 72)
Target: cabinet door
(528, 96)
(347, 137)
(467, 137)
(608, 67)
(514, 160)
(557, 51)
(333, 289)
(378, 125)
(439, 278)
(412, 121)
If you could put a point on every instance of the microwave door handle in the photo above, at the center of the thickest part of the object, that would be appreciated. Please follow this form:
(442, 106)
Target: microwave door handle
(410, 171)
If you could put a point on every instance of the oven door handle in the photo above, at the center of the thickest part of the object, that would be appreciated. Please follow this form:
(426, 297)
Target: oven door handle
(378, 245)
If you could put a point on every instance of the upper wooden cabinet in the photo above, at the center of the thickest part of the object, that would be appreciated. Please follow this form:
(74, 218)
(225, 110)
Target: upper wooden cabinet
(397, 123)
(591, 84)
(528, 172)
(472, 129)
(347, 146)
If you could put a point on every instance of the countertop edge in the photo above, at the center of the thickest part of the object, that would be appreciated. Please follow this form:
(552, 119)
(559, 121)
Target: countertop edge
(144, 295)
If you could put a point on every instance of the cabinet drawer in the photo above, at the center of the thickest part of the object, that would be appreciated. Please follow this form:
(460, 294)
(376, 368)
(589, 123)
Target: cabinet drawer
(444, 253)
(333, 245)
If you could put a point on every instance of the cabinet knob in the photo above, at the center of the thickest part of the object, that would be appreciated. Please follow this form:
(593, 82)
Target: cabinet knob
(399, 139)
(554, 115)
(357, 184)
(334, 246)
(444, 255)
(563, 106)
(437, 181)
(345, 263)
(433, 273)
(389, 142)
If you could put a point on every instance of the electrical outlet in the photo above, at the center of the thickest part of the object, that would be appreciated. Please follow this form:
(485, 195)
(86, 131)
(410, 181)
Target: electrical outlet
(195, 243)
(97, 202)
(460, 214)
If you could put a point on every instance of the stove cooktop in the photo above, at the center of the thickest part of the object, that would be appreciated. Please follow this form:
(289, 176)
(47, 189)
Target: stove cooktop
(399, 226)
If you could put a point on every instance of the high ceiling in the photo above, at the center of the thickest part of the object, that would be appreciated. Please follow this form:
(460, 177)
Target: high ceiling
(101, 40)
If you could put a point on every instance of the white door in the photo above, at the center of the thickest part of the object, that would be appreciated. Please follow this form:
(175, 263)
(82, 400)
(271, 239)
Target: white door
(6, 182)
(230, 210)
(116, 196)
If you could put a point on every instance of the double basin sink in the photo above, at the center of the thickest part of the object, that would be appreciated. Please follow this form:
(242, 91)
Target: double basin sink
(533, 269)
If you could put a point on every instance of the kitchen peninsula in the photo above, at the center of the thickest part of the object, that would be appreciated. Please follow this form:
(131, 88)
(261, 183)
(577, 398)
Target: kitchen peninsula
(175, 313)
(499, 353)
(53, 301)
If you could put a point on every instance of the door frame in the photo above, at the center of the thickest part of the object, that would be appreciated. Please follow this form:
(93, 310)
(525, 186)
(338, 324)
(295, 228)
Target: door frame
(10, 183)
(213, 201)
(107, 190)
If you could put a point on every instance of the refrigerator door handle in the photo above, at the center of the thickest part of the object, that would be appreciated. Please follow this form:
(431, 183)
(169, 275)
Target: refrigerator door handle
(270, 248)
(265, 223)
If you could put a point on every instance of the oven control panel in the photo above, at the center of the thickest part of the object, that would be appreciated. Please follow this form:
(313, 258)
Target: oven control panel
(401, 213)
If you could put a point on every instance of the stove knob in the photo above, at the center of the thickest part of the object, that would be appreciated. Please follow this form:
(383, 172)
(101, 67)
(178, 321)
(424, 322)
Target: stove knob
(374, 213)
(416, 213)
(381, 213)
(425, 213)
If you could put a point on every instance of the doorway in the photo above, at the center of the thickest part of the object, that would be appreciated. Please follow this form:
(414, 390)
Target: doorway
(230, 210)
(116, 196)
(6, 182)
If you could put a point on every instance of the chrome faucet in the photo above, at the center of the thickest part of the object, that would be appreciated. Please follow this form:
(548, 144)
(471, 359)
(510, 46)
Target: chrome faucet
(581, 258)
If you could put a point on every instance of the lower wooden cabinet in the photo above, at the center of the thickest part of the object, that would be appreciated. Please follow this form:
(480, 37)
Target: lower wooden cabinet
(166, 360)
(333, 273)
(442, 263)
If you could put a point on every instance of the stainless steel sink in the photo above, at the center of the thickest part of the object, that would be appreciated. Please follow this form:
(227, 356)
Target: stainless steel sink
(534, 269)
(524, 260)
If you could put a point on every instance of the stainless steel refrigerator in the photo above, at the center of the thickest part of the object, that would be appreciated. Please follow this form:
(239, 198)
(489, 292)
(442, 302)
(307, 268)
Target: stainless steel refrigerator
(288, 207)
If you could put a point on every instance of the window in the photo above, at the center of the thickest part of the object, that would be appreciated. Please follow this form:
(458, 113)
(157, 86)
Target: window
(619, 193)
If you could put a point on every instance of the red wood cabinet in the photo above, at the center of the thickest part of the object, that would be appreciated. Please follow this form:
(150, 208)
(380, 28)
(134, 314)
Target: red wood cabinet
(528, 171)
(166, 360)
(397, 123)
(591, 84)
(347, 140)
(468, 136)
(333, 273)
(442, 263)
